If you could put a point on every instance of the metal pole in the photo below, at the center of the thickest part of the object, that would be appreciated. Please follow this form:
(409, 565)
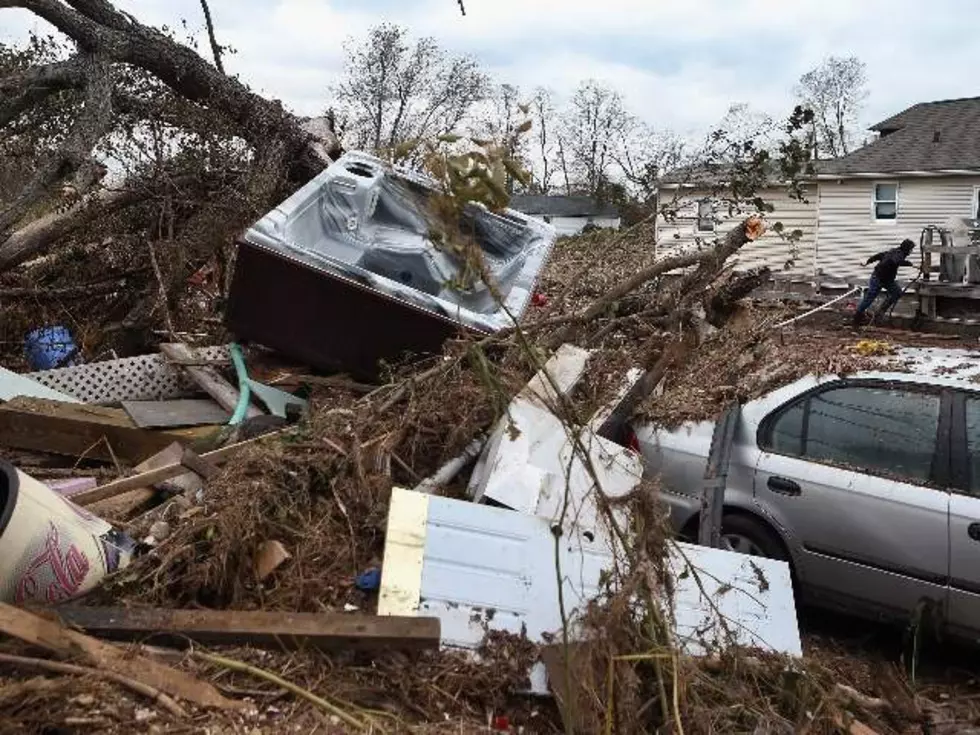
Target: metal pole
(716, 477)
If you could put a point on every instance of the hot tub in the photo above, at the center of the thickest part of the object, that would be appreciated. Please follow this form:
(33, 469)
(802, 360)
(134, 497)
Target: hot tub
(343, 274)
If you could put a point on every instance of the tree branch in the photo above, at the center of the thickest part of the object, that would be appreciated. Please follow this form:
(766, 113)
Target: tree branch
(31, 239)
(59, 75)
(101, 12)
(35, 236)
(77, 150)
(215, 48)
(101, 287)
(177, 66)
(749, 230)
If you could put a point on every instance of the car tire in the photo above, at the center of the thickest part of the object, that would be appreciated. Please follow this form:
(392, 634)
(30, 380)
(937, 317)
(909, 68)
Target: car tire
(755, 533)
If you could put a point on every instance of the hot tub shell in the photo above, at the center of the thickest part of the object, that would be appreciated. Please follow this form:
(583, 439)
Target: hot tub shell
(344, 274)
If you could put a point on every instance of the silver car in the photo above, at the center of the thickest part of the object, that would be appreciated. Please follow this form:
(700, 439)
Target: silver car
(869, 486)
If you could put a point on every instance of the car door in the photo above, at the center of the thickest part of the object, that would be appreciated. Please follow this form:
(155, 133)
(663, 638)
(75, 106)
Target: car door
(854, 472)
(964, 517)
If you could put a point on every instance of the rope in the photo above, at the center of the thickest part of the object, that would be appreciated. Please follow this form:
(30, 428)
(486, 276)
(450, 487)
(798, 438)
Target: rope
(819, 308)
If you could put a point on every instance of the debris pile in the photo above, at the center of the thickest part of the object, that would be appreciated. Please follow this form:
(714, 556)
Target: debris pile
(427, 550)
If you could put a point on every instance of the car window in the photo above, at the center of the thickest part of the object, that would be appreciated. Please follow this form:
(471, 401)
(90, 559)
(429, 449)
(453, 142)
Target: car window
(973, 442)
(880, 430)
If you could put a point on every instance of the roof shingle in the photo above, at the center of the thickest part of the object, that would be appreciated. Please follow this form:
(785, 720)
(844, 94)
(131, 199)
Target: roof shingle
(929, 136)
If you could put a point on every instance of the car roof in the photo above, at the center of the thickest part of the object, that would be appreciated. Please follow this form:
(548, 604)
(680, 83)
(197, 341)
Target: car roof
(944, 367)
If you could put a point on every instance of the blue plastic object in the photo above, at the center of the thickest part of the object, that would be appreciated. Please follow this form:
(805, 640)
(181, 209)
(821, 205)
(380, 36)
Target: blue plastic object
(368, 581)
(50, 347)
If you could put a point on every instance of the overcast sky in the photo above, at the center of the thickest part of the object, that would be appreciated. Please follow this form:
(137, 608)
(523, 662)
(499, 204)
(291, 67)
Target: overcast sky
(679, 63)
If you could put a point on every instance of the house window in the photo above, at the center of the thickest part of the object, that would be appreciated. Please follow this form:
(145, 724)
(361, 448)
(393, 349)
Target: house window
(886, 201)
(706, 216)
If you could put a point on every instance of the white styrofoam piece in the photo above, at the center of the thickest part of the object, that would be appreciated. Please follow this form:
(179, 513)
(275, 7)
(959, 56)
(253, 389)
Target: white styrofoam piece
(529, 427)
(14, 384)
(747, 601)
(537, 470)
(568, 486)
(479, 568)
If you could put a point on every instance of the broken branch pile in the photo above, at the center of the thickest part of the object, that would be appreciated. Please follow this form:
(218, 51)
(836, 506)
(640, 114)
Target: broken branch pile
(321, 492)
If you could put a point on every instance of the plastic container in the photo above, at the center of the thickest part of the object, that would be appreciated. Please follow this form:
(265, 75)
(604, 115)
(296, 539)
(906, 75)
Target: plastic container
(50, 347)
(51, 550)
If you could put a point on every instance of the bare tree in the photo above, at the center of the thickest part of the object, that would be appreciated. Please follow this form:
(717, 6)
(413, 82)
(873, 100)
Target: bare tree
(596, 121)
(545, 138)
(503, 119)
(644, 154)
(120, 68)
(394, 91)
(835, 91)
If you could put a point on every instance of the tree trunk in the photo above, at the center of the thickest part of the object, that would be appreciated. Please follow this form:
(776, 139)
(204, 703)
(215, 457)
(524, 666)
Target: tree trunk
(710, 259)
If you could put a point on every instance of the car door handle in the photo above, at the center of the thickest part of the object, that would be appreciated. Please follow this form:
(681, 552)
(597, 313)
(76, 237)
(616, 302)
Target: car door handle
(973, 531)
(783, 486)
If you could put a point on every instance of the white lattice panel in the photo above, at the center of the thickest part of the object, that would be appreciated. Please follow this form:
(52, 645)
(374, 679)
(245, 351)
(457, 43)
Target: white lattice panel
(143, 378)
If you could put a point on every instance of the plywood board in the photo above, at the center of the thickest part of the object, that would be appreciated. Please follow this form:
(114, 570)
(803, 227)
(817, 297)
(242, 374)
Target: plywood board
(207, 378)
(78, 430)
(179, 412)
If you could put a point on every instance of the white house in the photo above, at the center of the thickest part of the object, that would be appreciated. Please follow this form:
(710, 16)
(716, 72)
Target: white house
(568, 215)
(923, 169)
(701, 210)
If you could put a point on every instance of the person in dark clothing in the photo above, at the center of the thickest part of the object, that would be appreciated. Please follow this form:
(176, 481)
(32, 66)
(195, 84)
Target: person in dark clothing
(883, 278)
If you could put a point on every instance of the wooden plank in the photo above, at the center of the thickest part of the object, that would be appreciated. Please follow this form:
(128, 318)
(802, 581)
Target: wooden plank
(258, 628)
(951, 290)
(123, 506)
(208, 378)
(166, 472)
(79, 430)
(54, 637)
(179, 412)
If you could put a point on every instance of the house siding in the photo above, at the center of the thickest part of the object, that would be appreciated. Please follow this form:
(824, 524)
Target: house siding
(770, 250)
(848, 234)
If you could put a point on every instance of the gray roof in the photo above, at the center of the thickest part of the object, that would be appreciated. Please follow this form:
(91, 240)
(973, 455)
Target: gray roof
(557, 206)
(929, 136)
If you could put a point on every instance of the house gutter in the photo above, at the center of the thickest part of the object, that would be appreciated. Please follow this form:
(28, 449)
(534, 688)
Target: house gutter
(895, 174)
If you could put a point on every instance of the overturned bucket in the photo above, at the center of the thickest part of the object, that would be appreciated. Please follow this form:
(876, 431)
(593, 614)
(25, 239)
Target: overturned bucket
(51, 549)
(50, 347)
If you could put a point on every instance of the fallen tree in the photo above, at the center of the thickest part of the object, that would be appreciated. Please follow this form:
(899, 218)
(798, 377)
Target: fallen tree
(125, 73)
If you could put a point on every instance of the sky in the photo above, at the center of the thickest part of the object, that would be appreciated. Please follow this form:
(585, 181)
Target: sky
(680, 64)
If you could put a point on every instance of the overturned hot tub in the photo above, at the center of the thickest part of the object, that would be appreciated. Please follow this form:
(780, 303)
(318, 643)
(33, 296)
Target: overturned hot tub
(344, 274)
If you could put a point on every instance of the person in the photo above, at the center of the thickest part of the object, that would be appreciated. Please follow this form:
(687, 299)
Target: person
(883, 278)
